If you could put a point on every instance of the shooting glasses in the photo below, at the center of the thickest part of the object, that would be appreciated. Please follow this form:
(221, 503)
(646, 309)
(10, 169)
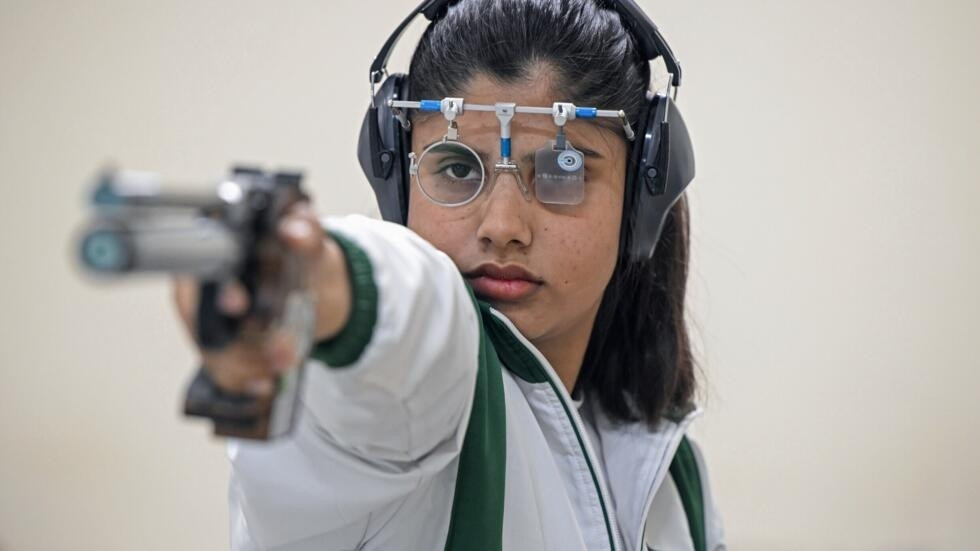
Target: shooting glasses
(450, 173)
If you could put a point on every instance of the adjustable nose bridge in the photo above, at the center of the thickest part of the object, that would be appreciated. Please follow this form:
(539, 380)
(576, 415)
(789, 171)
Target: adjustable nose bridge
(510, 172)
(504, 217)
(505, 112)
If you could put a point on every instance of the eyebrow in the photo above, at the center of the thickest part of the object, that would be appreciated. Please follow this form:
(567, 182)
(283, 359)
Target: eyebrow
(529, 157)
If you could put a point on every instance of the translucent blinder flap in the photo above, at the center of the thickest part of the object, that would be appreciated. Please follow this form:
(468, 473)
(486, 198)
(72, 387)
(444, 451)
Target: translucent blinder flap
(559, 175)
(450, 173)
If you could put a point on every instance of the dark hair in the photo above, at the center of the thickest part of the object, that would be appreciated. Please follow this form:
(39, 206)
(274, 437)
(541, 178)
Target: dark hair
(638, 363)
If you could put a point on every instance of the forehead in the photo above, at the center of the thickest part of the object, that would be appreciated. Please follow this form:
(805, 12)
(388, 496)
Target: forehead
(538, 90)
(480, 127)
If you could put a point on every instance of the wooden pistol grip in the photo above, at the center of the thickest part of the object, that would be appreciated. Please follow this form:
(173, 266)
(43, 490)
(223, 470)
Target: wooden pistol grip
(235, 415)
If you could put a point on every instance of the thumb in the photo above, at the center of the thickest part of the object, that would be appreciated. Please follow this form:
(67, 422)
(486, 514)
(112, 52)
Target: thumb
(301, 230)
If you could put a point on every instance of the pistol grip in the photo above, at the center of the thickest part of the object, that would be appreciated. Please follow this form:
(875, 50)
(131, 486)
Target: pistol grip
(236, 415)
(214, 329)
(243, 416)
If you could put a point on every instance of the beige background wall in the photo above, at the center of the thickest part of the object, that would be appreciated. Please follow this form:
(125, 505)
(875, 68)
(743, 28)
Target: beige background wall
(834, 275)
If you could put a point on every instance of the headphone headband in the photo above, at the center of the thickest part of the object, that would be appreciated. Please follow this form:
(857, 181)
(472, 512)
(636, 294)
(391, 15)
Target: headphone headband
(379, 67)
(648, 38)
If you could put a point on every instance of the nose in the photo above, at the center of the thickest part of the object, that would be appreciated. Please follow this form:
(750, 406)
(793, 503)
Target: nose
(506, 214)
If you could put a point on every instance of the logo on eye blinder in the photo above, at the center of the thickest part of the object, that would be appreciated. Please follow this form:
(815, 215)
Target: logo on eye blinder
(570, 160)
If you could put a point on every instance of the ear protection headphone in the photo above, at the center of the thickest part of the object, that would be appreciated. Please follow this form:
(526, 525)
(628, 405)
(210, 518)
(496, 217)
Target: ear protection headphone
(661, 162)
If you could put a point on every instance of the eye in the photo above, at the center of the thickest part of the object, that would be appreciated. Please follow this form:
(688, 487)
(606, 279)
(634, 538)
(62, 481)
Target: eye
(460, 171)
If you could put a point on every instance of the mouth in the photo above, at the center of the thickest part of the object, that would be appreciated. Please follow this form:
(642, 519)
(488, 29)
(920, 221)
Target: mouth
(509, 283)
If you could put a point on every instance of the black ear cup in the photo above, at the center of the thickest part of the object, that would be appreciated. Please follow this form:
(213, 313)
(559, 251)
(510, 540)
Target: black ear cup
(382, 149)
(664, 168)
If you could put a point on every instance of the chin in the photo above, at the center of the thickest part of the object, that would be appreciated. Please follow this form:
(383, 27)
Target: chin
(524, 317)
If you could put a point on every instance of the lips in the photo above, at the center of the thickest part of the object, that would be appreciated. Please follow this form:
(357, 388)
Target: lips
(507, 283)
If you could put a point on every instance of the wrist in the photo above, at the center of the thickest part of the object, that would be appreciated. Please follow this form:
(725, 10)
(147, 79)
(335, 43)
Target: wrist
(347, 330)
(332, 282)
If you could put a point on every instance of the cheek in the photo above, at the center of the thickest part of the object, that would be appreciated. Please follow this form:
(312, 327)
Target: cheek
(446, 229)
(590, 255)
(584, 249)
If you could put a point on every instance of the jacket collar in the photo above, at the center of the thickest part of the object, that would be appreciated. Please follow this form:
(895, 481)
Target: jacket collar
(637, 459)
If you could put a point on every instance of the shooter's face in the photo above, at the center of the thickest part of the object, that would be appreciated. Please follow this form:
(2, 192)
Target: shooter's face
(544, 266)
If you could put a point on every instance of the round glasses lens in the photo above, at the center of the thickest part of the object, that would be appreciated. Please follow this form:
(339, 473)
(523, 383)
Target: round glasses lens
(450, 173)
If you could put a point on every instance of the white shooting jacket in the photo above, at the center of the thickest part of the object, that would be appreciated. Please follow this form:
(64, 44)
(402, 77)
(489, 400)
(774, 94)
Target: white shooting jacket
(431, 423)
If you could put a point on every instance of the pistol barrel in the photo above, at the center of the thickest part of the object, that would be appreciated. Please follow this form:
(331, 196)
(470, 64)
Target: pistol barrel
(198, 246)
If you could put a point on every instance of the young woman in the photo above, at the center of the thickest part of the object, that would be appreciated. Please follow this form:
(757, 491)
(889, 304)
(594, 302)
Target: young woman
(502, 373)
